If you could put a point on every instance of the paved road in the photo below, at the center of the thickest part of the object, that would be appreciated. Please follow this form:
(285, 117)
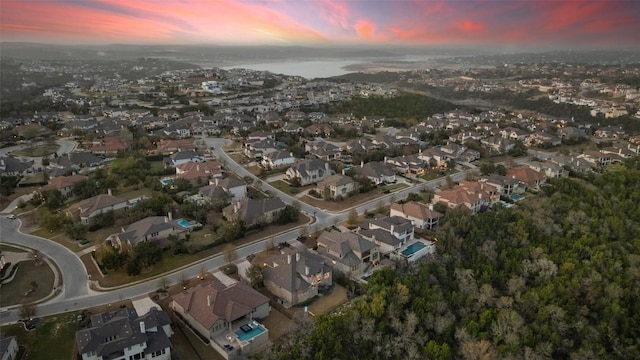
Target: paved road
(74, 273)
(77, 296)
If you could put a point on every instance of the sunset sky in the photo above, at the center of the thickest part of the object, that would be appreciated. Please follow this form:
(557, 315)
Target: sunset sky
(524, 23)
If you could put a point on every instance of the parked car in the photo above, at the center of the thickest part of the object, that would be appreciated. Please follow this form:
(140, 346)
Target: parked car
(12, 217)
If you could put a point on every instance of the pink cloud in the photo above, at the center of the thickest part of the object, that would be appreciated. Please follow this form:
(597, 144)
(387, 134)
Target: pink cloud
(365, 29)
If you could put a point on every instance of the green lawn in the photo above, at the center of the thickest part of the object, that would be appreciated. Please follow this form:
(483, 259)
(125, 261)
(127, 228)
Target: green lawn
(59, 237)
(37, 151)
(284, 187)
(53, 338)
(394, 187)
(38, 178)
(19, 289)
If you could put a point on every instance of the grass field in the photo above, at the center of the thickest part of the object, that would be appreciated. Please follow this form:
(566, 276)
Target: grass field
(59, 237)
(53, 338)
(37, 151)
(16, 291)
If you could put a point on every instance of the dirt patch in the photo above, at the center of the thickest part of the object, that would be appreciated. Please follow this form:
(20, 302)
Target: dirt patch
(329, 302)
(344, 204)
(31, 282)
(278, 324)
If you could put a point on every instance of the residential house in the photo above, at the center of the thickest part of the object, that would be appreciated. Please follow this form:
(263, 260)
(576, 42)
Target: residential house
(254, 212)
(169, 147)
(224, 316)
(77, 160)
(64, 184)
(278, 158)
(10, 166)
(527, 177)
(235, 187)
(292, 128)
(86, 210)
(397, 226)
(151, 228)
(296, 276)
(347, 252)
(422, 216)
(337, 186)
(596, 158)
(408, 164)
(549, 169)
(111, 146)
(323, 150)
(360, 146)
(377, 172)
(514, 133)
(308, 171)
(123, 334)
(570, 132)
(540, 138)
(610, 132)
(8, 348)
(183, 157)
(199, 173)
(319, 129)
(497, 144)
(261, 135)
(473, 198)
(257, 149)
(504, 185)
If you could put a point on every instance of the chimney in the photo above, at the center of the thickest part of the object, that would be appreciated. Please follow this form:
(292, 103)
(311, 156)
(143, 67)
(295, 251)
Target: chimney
(393, 227)
(431, 207)
(170, 216)
(109, 192)
(361, 163)
(289, 259)
(385, 159)
(208, 300)
(307, 270)
(142, 328)
(217, 181)
(197, 167)
(297, 256)
(236, 207)
(166, 219)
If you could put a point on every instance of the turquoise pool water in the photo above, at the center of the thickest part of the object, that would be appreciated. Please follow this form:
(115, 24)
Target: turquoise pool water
(255, 331)
(165, 182)
(366, 278)
(517, 197)
(184, 223)
(413, 248)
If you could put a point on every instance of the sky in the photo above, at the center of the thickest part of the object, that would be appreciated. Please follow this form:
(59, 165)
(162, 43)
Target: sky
(508, 23)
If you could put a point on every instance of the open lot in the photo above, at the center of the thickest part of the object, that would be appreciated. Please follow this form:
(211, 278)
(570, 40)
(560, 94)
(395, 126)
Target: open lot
(38, 150)
(22, 288)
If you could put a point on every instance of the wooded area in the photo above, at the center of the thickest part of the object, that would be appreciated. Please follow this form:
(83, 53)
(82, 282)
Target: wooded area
(554, 277)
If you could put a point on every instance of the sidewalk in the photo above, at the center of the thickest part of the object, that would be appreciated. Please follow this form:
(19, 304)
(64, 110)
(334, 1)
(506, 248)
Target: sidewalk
(14, 204)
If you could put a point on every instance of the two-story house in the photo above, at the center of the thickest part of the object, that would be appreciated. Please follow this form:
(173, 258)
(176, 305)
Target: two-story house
(64, 184)
(376, 171)
(276, 159)
(124, 335)
(296, 276)
(151, 228)
(422, 216)
(224, 316)
(86, 210)
(308, 171)
(337, 186)
(348, 253)
(254, 211)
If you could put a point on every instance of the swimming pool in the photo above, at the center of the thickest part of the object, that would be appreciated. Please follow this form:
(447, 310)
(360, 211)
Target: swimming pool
(517, 197)
(246, 335)
(184, 223)
(413, 248)
(166, 182)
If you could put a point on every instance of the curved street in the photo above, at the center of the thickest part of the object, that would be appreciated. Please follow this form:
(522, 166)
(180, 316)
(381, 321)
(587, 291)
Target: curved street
(77, 295)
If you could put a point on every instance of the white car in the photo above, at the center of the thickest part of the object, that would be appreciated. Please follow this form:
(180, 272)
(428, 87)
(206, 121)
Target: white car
(12, 217)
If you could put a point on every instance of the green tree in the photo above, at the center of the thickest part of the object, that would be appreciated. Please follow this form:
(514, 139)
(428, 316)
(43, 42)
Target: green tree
(254, 274)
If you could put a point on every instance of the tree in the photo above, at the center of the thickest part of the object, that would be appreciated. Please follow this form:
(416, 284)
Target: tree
(114, 259)
(288, 214)
(352, 218)
(76, 231)
(163, 284)
(254, 274)
(501, 170)
(147, 253)
(230, 253)
(28, 310)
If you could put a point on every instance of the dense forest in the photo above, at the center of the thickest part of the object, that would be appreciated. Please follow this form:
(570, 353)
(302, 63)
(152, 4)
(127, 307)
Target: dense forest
(553, 278)
(404, 106)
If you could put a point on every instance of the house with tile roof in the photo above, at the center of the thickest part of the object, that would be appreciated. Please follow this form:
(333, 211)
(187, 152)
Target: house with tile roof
(169, 147)
(347, 252)
(183, 157)
(422, 216)
(474, 197)
(308, 171)
(254, 211)
(87, 209)
(64, 184)
(123, 334)
(296, 276)
(199, 172)
(527, 177)
(220, 314)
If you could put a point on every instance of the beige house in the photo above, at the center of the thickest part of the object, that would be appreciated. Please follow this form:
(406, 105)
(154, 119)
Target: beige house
(348, 253)
(296, 276)
(225, 316)
(422, 216)
(254, 211)
(86, 210)
(337, 187)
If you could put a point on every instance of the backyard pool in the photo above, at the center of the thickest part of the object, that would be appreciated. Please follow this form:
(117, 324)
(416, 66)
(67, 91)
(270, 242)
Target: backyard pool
(517, 197)
(166, 181)
(413, 248)
(253, 331)
(184, 223)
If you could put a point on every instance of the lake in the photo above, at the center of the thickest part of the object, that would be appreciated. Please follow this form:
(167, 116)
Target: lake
(306, 68)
